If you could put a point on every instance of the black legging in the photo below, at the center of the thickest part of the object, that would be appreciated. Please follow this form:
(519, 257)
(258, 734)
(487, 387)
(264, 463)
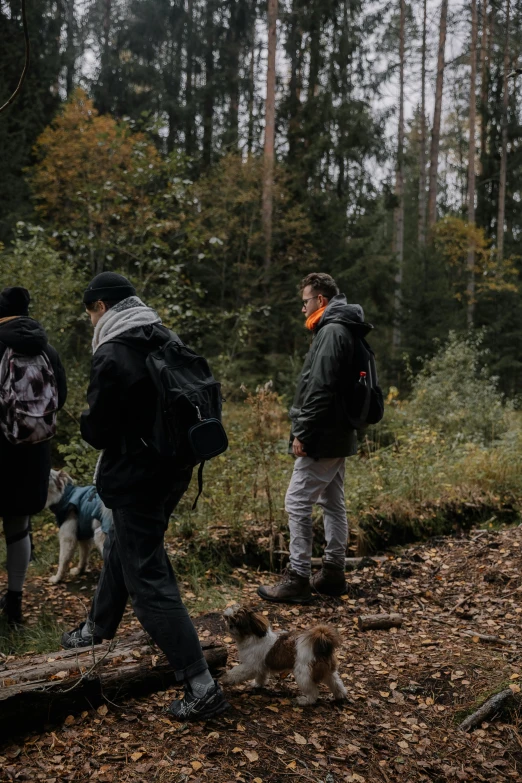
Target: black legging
(16, 532)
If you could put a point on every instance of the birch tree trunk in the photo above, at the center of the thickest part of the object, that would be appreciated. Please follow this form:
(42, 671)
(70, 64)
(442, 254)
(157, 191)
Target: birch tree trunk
(471, 160)
(268, 155)
(422, 141)
(399, 191)
(435, 136)
(503, 159)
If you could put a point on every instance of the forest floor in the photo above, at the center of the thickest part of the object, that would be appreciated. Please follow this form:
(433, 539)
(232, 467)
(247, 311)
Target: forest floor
(409, 688)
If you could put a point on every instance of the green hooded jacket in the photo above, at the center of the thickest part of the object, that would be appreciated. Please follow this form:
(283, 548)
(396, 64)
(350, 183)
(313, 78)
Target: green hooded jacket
(319, 414)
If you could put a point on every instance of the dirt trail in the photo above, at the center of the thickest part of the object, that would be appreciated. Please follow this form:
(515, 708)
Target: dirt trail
(409, 688)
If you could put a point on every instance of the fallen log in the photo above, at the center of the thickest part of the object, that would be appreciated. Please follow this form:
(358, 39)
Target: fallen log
(45, 687)
(355, 563)
(379, 622)
(490, 708)
(350, 563)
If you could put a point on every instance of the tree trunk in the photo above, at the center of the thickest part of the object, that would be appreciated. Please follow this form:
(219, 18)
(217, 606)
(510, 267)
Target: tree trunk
(471, 161)
(173, 81)
(422, 141)
(251, 90)
(70, 49)
(208, 97)
(268, 158)
(231, 136)
(104, 102)
(503, 159)
(47, 687)
(435, 136)
(345, 89)
(294, 51)
(189, 70)
(484, 79)
(399, 191)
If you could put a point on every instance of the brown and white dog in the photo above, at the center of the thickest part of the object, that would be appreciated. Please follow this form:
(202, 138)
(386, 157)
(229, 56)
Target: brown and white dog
(310, 655)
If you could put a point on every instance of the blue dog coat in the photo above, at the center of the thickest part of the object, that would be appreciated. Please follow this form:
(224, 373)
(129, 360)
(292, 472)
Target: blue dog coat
(88, 506)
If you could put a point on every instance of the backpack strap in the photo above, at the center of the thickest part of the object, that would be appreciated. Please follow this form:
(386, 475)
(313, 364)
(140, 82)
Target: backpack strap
(200, 484)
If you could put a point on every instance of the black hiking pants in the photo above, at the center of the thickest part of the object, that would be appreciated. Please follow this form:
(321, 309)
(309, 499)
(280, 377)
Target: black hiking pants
(136, 565)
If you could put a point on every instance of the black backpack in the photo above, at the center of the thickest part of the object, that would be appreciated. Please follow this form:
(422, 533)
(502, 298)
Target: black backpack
(365, 403)
(187, 425)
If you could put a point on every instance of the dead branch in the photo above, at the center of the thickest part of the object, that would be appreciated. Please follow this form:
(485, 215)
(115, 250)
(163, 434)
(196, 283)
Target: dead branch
(484, 637)
(379, 622)
(488, 710)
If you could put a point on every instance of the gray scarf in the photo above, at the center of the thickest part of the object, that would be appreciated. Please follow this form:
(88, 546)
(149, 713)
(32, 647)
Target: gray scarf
(125, 315)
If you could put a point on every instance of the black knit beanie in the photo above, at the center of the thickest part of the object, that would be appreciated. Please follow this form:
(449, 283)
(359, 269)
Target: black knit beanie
(108, 287)
(14, 300)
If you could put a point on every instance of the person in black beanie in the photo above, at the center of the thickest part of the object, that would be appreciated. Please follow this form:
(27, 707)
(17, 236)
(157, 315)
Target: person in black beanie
(142, 488)
(24, 468)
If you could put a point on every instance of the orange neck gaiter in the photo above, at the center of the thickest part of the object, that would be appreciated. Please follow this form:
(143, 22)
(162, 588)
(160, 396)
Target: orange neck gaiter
(8, 318)
(313, 320)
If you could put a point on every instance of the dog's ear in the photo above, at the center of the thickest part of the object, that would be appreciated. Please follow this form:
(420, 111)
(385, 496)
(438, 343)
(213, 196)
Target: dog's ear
(62, 479)
(258, 624)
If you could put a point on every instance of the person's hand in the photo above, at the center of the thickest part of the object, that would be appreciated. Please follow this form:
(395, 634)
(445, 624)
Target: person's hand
(298, 448)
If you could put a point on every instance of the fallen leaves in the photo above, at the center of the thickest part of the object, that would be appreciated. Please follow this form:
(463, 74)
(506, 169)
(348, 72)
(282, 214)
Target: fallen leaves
(426, 672)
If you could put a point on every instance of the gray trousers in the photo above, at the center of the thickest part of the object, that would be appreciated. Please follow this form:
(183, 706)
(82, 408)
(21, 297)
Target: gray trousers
(319, 482)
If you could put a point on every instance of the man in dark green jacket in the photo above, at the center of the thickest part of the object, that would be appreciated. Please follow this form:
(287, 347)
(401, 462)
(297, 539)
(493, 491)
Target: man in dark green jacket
(322, 436)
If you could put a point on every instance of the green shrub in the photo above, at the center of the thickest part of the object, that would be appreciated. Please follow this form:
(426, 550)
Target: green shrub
(454, 394)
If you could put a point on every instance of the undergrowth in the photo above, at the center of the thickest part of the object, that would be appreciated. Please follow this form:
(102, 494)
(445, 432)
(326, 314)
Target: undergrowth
(428, 469)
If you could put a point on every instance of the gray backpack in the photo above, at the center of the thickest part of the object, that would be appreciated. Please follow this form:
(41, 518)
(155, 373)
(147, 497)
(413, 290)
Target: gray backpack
(28, 398)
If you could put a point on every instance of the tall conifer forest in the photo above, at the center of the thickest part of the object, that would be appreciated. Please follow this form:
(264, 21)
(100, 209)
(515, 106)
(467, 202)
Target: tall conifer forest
(392, 159)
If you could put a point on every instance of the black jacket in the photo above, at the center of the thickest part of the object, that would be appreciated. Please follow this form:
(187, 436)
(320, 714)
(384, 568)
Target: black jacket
(25, 469)
(318, 414)
(122, 405)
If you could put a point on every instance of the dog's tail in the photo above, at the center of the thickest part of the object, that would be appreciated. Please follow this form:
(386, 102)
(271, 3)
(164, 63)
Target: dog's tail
(323, 639)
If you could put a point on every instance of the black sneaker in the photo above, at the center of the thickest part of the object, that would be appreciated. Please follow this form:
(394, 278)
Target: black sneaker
(11, 607)
(75, 638)
(192, 707)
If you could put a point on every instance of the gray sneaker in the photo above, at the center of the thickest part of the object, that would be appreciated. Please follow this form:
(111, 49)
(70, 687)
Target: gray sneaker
(192, 707)
(76, 638)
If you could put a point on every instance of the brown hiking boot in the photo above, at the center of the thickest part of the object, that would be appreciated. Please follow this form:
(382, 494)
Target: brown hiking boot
(292, 589)
(330, 580)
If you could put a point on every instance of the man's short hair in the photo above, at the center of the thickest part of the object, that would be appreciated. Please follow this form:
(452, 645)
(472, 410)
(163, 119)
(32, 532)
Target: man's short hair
(321, 283)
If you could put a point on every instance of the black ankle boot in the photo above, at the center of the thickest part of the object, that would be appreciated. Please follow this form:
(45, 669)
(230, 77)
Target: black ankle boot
(11, 606)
